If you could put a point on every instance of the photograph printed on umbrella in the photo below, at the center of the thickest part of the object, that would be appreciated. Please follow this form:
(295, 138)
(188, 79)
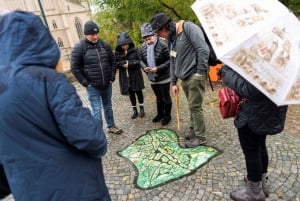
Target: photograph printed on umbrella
(255, 40)
(266, 61)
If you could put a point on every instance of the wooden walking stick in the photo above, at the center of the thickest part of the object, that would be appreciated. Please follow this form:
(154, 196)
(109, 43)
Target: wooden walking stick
(177, 111)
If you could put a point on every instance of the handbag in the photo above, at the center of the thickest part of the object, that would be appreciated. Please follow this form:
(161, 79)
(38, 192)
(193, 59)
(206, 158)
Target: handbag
(229, 102)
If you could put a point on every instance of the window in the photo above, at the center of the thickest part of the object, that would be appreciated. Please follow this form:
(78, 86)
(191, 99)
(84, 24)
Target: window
(54, 24)
(60, 42)
(78, 26)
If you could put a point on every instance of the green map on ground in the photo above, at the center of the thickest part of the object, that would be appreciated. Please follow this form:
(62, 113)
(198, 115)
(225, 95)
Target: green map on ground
(158, 158)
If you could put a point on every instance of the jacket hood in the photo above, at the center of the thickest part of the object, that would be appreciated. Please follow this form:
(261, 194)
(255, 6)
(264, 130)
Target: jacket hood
(123, 38)
(25, 41)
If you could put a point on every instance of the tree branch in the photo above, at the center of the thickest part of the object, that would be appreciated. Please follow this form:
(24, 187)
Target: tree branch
(171, 9)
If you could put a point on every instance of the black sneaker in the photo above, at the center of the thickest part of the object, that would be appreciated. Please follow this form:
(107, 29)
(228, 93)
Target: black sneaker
(134, 114)
(142, 112)
(157, 118)
(166, 120)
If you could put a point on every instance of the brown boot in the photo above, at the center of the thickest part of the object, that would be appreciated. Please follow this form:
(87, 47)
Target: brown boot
(190, 135)
(253, 192)
(195, 142)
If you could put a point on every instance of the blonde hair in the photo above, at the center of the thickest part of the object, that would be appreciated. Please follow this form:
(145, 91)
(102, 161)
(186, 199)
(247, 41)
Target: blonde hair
(59, 66)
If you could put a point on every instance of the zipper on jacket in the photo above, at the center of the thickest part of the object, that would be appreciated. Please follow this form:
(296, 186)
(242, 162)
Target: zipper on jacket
(100, 65)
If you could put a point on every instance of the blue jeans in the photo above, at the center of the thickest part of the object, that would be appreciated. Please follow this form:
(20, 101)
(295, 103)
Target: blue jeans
(99, 98)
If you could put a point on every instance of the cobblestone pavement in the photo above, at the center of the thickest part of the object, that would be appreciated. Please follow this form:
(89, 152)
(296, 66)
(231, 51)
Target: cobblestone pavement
(213, 181)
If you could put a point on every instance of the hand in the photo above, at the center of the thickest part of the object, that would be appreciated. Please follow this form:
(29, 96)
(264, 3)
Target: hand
(175, 89)
(125, 65)
(153, 70)
(120, 63)
(147, 69)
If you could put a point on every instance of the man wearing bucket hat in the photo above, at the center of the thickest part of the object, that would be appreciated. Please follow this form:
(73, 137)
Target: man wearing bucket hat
(189, 63)
(93, 65)
(155, 61)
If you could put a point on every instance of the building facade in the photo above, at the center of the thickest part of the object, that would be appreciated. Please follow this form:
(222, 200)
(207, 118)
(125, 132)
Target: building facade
(65, 20)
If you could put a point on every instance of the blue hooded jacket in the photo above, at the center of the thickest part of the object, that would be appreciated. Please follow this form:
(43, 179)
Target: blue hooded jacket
(50, 145)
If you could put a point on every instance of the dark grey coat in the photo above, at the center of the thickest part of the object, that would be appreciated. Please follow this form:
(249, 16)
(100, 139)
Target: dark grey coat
(133, 78)
(262, 115)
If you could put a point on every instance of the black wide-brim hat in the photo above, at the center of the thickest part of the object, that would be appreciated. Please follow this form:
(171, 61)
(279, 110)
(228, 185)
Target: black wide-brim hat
(159, 21)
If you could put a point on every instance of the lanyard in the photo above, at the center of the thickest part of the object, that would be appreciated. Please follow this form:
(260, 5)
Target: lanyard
(173, 44)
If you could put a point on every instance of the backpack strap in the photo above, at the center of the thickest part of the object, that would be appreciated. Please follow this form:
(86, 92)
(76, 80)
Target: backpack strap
(83, 46)
(180, 27)
(105, 45)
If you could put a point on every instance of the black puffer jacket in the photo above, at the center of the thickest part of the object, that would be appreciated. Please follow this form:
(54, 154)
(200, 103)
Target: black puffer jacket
(262, 115)
(93, 63)
(132, 77)
(162, 59)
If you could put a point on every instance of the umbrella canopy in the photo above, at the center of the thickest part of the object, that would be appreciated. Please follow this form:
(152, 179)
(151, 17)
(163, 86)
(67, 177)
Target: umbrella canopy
(259, 41)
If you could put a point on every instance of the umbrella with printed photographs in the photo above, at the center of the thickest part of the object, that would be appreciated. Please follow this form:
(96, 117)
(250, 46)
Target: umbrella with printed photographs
(259, 40)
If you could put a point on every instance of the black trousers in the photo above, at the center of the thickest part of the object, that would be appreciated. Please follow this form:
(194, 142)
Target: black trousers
(4, 188)
(162, 93)
(255, 152)
(134, 94)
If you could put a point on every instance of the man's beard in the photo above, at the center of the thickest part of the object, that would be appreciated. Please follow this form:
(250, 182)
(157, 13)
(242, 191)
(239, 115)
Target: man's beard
(94, 41)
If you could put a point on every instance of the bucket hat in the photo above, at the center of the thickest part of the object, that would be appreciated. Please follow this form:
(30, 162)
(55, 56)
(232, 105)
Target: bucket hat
(146, 30)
